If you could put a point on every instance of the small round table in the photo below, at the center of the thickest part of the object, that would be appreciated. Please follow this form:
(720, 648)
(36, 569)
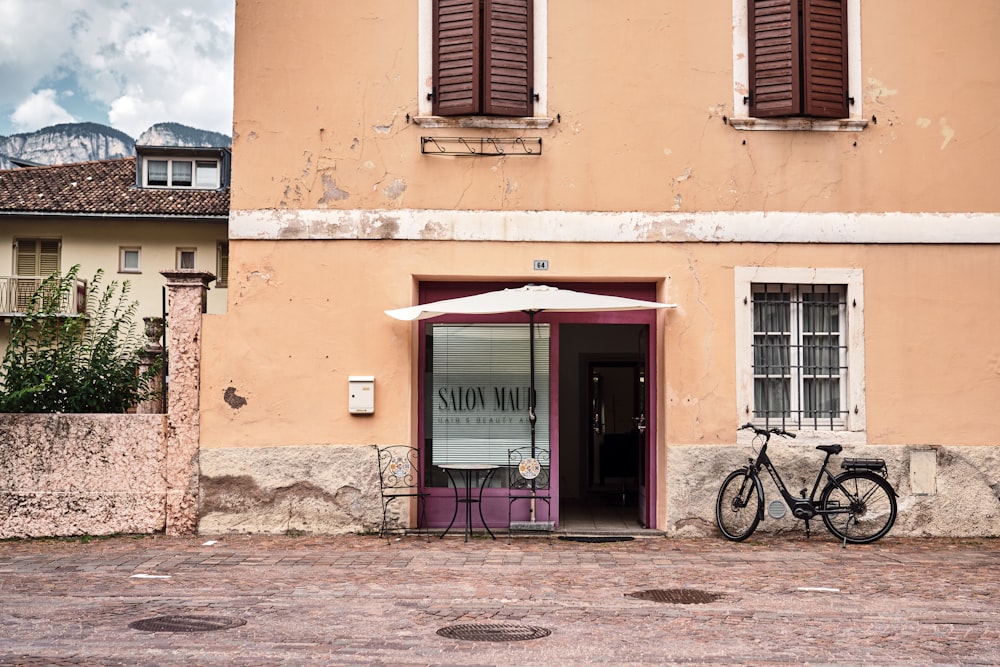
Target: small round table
(468, 471)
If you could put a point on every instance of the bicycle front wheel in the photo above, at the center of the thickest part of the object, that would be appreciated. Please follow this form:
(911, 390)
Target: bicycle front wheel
(739, 506)
(858, 507)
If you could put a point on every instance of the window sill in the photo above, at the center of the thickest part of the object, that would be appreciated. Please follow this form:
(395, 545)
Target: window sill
(799, 124)
(809, 438)
(483, 122)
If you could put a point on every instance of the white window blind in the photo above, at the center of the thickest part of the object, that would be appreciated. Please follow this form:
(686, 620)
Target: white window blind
(478, 404)
(206, 174)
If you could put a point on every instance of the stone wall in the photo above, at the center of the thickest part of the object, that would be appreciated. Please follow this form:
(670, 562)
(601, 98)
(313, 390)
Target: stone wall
(81, 474)
(943, 491)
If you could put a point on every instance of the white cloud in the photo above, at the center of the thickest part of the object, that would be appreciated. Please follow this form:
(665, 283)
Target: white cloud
(40, 110)
(130, 64)
(134, 111)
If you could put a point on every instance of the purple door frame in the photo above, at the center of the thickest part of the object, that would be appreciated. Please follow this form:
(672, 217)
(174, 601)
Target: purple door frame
(441, 502)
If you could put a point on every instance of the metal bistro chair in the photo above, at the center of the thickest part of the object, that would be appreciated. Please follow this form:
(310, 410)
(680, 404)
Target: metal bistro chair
(528, 479)
(399, 477)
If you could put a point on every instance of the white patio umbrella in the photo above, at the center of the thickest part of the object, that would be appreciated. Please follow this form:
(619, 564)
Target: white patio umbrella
(530, 299)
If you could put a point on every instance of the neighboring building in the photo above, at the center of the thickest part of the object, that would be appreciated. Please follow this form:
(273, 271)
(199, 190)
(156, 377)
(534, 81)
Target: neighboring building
(812, 182)
(133, 217)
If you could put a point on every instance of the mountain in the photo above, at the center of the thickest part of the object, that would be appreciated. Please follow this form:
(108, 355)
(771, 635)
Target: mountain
(175, 134)
(83, 142)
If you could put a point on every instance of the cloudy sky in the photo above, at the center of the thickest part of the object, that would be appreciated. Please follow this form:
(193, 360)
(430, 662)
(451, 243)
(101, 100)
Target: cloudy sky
(124, 63)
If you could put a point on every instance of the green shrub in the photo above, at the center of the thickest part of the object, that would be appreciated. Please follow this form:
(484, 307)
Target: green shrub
(71, 363)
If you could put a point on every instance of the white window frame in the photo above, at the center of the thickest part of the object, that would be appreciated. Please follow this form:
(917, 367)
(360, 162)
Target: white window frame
(425, 76)
(122, 252)
(203, 162)
(180, 256)
(855, 425)
(741, 118)
(170, 172)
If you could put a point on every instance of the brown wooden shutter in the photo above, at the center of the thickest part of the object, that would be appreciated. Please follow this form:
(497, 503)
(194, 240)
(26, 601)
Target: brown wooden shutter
(508, 62)
(825, 58)
(33, 257)
(48, 257)
(222, 271)
(774, 58)
(457, 57)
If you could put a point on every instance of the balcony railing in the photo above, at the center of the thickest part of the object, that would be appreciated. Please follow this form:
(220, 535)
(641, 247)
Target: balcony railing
(16, 293)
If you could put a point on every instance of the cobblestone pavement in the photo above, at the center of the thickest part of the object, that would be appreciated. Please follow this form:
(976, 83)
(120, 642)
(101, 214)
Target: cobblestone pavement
(361, 600)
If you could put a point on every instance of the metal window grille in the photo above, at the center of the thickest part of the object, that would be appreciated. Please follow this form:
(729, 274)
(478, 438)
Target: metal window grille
(800, 355)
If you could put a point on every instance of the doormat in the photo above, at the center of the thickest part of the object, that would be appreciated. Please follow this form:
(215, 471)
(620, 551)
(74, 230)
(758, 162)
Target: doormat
(596, 539)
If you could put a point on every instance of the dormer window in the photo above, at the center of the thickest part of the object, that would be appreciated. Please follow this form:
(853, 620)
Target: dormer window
(176, 173)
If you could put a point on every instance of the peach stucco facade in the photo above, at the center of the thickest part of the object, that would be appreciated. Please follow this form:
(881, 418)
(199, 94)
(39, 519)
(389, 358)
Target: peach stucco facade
(650, 172)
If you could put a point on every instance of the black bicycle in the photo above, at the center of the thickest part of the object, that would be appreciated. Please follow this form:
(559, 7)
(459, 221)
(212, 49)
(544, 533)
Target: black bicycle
(857, 506)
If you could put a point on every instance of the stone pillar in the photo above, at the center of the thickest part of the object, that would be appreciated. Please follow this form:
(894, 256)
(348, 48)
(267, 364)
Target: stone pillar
(187, 292)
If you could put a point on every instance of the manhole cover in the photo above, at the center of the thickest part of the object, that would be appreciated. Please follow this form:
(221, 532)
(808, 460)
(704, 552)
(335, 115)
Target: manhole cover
(494, 632)
(676, 596)
(186, 623)
(596, 539)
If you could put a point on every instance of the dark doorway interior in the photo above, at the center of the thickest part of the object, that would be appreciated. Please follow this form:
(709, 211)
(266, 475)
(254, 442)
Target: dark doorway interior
(602, 426)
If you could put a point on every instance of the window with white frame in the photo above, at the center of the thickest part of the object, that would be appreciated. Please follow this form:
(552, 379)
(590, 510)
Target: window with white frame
(797, 65)
(800, 355)
(185, 258)
(128, 259)
(181, 173)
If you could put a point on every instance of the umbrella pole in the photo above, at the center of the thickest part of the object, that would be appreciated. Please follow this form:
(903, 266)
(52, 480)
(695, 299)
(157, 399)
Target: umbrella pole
(531, 398)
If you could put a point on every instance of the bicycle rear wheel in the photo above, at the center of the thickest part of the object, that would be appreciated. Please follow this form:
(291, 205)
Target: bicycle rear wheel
(739, 506)
(858, 507)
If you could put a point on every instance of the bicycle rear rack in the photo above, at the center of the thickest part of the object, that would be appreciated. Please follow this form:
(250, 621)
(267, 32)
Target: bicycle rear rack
(874, 465)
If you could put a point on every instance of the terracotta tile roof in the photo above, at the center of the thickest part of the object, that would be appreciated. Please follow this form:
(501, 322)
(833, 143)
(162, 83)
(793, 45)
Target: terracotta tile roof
(102, 187)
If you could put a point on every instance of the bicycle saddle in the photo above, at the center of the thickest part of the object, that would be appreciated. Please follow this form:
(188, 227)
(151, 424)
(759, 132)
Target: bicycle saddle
(830, 449)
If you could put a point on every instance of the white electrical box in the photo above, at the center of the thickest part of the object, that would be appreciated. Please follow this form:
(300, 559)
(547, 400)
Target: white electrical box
(362, 394)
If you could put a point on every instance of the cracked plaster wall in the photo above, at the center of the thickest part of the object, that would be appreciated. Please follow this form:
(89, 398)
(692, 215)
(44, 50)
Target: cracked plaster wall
(621, 138)
(314, 489)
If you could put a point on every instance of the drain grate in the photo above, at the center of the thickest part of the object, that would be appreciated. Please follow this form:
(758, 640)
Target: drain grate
(596, 539)
(676, 596)
(186, 623)
(493, 632)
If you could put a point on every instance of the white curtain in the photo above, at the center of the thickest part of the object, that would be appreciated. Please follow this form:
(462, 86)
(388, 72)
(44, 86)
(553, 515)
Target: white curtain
(799, 355)
(181, 173)
(156, 172)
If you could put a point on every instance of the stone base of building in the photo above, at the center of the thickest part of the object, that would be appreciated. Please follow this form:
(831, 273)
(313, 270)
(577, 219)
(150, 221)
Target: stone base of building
(330, 489)
(943, 491)
(326, 489)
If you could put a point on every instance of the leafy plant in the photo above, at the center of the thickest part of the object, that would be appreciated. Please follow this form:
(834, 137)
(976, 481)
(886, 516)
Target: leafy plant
(57, 362)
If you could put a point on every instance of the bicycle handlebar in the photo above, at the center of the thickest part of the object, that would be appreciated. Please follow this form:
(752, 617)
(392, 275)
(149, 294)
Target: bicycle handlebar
(766, 432)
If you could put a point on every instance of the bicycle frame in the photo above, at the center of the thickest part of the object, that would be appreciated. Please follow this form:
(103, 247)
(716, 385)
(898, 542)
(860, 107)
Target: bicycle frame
(802, 507)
